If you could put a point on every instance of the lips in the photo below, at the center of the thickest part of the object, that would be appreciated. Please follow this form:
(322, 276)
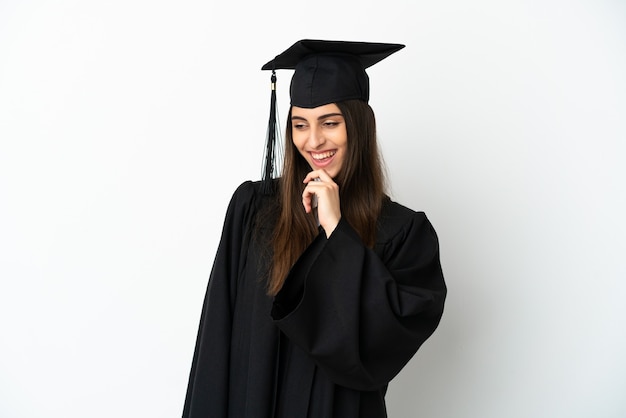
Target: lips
(320, 156)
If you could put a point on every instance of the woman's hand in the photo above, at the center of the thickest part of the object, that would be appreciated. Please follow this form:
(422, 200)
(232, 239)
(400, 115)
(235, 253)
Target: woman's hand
(320, 186)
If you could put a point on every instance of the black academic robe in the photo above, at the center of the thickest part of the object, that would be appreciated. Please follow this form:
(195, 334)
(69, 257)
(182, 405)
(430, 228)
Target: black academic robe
(346, 321)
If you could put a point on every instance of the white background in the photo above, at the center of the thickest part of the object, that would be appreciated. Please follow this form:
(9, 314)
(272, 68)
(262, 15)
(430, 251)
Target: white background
(126, 125)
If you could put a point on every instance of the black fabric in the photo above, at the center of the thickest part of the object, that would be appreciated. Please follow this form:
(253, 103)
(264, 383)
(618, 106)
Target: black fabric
(368, 53)
(345, 323)
(330, 71)
(323, 79)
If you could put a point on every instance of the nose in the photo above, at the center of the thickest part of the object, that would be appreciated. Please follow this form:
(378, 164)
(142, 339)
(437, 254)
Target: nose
(316, 137)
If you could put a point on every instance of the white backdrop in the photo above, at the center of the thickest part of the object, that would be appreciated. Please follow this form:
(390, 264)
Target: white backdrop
(126, 125)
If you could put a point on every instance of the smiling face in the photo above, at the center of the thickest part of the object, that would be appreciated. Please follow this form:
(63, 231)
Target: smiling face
(320, 136)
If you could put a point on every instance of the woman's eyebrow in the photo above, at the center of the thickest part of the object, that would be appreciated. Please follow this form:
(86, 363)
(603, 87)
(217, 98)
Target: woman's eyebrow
(328, 115)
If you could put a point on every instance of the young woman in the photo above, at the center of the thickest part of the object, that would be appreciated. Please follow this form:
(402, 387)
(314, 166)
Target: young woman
(323, 288)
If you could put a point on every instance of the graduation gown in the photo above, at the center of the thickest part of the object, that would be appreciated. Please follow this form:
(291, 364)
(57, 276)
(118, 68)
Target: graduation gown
(346, 321)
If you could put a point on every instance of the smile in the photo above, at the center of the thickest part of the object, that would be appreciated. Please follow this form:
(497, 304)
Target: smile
(323, 155)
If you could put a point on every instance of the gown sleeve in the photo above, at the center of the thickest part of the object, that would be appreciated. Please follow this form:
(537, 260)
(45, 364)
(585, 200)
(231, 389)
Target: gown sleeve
(360, 315)
(207, 390)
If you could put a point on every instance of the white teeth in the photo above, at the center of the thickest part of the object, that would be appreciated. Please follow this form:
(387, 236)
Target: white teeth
(323, 155)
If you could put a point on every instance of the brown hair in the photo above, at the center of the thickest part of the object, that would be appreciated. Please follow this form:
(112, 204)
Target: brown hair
(361, 184)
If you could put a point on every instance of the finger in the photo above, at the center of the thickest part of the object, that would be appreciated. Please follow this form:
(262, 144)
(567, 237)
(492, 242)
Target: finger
(324, 176)
(307, 200)
(320, 175)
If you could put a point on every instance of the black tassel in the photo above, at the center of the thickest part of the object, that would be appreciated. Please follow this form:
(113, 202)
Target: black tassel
(270, 170)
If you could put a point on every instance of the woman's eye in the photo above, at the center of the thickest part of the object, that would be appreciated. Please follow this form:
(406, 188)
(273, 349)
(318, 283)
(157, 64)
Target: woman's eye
(299, 126)
(331, 124)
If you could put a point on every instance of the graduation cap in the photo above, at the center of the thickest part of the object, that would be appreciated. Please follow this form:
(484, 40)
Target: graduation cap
(325, 72)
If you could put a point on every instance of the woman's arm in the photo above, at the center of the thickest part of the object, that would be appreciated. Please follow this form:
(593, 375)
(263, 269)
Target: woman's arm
(362, 318)
(207, 391)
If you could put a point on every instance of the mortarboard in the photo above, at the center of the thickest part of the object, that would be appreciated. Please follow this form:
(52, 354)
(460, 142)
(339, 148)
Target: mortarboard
(325, 72)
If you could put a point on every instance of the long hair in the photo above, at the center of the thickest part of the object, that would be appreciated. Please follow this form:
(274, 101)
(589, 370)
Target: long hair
(361, 184)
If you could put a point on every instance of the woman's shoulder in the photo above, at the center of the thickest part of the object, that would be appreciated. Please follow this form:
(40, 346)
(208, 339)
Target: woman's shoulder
(397, 220)
(247, 188)
(249, 198)
(252, 189)
(249, 191)
(394, 212)
(244, 197)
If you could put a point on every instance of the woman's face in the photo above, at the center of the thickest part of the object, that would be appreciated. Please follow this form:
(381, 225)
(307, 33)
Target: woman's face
(321, 137)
